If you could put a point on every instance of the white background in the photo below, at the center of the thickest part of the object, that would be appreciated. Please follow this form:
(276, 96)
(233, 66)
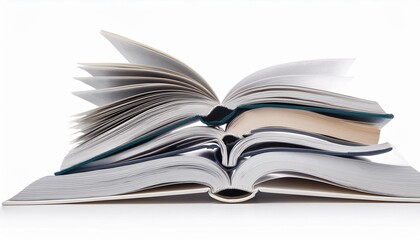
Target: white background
(41, 42)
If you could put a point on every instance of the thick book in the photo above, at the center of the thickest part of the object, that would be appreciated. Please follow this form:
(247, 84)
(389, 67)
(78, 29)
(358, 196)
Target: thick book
(158, 129)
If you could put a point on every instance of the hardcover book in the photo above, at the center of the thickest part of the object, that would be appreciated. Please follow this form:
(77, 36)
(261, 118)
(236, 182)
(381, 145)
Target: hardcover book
(158, 129)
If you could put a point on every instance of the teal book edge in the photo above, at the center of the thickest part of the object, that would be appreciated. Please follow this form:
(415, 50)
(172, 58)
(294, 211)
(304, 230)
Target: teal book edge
(364, 116)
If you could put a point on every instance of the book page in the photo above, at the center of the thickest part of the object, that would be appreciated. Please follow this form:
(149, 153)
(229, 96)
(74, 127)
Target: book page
(304, 121)
(311, 69)
(302, 187)
(171, 190)
(141, 54)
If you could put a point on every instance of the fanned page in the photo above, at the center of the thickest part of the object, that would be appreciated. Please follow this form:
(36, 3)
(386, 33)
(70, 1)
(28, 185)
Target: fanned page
(141, 54)
(156, 93)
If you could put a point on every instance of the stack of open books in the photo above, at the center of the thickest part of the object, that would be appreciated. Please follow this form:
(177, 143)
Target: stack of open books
(159, 130)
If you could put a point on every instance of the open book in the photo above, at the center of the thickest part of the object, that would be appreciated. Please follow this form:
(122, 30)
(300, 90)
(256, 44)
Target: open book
(280, 130)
